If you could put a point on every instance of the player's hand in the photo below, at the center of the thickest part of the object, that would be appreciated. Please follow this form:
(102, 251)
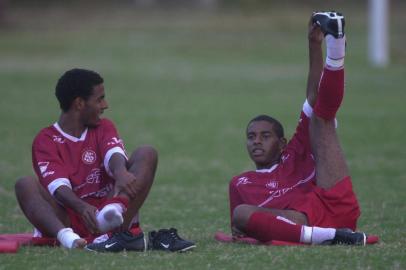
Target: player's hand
(315, 34)
(125, 182)
(88, 215)
(86, 211)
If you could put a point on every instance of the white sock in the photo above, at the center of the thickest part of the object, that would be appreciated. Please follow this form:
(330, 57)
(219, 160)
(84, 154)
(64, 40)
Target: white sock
(306, 235)
(335, 51)
(316, 235)
(67, 237)
(320, 235)
(110, 217)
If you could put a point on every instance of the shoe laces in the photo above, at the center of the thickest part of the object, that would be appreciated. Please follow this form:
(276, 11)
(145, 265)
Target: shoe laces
(349, 238)
(170, 234)
(174, 234)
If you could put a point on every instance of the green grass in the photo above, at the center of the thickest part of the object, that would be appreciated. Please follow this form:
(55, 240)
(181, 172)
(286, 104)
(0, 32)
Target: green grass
(187, 83)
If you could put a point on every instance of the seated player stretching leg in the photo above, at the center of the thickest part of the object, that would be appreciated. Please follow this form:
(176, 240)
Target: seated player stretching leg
(87, 186)
(301, 191)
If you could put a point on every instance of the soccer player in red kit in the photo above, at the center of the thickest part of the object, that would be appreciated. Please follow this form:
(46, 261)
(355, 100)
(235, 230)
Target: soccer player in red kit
(301, 190)
(87, 184)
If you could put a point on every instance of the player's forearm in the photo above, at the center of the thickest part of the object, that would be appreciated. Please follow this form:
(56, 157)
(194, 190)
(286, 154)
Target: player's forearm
(315, 71)
(117, 165)
(69, 199)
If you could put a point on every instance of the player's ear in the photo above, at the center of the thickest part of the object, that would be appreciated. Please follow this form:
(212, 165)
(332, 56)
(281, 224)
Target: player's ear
(282, 143)
(78, 103)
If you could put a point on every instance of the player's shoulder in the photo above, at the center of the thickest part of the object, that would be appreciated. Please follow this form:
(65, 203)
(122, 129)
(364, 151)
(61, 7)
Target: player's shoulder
(106, 123)
(244, 174)
(47, 132)
(46, 137)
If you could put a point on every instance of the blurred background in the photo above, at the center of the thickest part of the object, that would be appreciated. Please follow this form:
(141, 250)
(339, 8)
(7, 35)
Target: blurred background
(380, 20)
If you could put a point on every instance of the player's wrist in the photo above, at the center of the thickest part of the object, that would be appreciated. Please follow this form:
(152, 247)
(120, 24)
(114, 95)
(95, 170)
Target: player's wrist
(119, 172)
(69, 199)
(81, 207)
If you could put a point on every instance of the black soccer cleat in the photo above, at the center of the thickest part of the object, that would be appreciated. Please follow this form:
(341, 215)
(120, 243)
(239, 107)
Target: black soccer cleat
(120, 241)
(348, 237)
(168, 240)
(331, 23)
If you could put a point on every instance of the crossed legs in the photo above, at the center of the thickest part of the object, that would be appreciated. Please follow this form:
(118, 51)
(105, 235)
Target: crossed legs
(49, 217)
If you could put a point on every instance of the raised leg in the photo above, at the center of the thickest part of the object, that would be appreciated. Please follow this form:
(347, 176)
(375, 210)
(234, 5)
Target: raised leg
(331, 166)
(330, 162)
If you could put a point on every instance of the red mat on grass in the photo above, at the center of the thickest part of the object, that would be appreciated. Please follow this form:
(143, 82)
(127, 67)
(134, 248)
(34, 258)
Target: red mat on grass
(226, 238)
(10, 243)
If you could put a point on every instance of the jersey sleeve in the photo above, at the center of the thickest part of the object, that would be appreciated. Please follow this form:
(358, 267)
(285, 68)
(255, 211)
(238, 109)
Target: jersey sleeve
(234, 196)
(110, 143)
(300, 141)
(47, 163)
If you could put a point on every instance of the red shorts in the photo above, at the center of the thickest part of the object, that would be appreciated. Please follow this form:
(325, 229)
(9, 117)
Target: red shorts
(336, 207)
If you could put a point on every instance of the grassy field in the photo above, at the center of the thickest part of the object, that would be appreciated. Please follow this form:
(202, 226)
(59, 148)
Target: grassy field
(187, 83)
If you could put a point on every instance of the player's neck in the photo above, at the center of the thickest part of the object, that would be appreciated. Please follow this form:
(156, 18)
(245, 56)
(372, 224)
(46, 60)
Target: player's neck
(71, 125)
(266, 166)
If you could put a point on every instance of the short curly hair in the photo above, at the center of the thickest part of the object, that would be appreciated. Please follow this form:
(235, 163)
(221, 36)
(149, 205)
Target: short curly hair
(277, 126)
(76, 83)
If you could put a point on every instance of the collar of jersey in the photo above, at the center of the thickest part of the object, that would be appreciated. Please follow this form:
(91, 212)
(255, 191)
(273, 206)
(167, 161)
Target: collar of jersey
(70, 137)
(268, 170)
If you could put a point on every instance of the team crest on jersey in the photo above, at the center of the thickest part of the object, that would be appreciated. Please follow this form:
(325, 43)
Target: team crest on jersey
(89, 156)
(272, 184)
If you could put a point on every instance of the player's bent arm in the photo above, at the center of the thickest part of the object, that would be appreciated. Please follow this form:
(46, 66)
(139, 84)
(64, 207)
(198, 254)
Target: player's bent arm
(68, 198)
(125, 180)
(117, 164)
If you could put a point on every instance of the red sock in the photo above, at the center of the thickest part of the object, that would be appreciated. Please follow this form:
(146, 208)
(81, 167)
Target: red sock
(135, 229)
(331, 93)
(265, 227)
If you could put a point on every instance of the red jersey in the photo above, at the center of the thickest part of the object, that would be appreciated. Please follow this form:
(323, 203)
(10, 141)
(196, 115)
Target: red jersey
(283, 183)
(79, 163)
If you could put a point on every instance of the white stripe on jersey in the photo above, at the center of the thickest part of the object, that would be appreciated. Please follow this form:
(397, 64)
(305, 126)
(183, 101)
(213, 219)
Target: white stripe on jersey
(70, 137)
(281, 192)
(54, 185)
(109, 154)
(268, 170)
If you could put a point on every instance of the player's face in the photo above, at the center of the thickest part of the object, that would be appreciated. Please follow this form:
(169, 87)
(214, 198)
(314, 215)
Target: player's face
(263, 145)
(94, 106)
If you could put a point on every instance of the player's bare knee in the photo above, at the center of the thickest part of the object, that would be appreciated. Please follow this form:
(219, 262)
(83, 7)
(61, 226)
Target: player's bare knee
(24, 184)
(318, 123)
(241, 214)
(148, 153)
